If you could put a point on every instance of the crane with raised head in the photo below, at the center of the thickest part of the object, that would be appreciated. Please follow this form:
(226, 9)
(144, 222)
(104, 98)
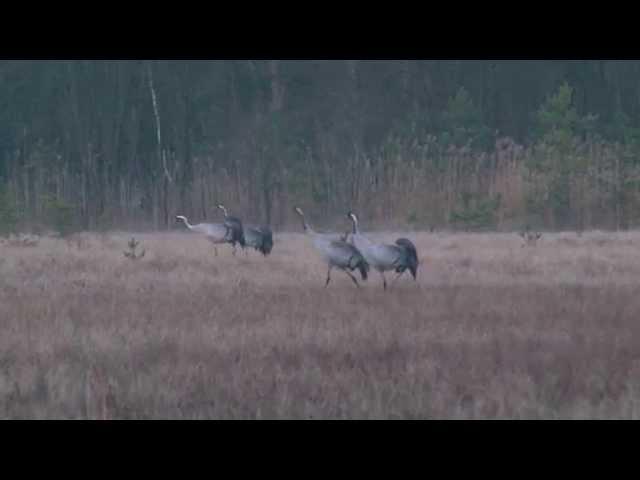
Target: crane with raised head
(259, 238)
(385, 257)
(336, 253)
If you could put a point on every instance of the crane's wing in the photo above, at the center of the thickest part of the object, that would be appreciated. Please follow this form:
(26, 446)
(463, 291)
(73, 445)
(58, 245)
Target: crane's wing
(344, 253)
(410, 249)
(260, 238)
(267, 240)
(386, 254)
(347, 256)
(252, 236)
(235, 230)
(233, 222)
(410, 259)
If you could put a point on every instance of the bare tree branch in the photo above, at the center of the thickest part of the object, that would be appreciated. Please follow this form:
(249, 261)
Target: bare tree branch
(161, 151)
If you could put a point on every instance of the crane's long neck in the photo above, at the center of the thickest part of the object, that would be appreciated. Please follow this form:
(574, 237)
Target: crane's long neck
(354, 220)
(362, 242)
(306, 226)
(224, 211)
(186, 222)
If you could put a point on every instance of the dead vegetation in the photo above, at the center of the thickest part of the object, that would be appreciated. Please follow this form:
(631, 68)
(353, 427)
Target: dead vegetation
(21, 240)
(491, 330)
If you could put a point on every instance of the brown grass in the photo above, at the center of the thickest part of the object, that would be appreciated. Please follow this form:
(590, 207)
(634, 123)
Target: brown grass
(491, 330)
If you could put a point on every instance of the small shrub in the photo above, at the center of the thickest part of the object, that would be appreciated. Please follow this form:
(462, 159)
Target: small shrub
(133, 254)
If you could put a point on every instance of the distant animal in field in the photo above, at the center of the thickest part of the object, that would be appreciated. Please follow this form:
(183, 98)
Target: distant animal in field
(530, 238)
(216, 233)
(336, 253)
(382, 257)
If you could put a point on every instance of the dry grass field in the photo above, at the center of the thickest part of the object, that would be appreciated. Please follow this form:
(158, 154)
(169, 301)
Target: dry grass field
(490, 330)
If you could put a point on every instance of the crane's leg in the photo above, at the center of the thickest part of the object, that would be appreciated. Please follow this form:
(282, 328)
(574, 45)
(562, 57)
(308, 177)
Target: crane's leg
(355, 280)
(328, 277)
(215, 249)
(384, 280)
(234, 249)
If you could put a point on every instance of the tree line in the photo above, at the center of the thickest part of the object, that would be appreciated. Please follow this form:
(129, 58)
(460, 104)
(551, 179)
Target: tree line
(420, 144)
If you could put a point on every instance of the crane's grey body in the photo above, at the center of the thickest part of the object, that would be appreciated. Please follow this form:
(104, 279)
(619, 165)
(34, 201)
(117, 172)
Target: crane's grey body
(385, 257)
(216, 233)
(336, 253)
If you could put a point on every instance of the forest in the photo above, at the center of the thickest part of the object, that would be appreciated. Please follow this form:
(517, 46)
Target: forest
(430, 144)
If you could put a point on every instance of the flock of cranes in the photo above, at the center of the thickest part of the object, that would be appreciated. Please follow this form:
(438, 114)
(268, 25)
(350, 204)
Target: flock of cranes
(348, 253)
(232, 231)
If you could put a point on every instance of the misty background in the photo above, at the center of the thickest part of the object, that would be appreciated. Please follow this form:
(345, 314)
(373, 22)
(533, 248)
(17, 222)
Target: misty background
(471, 145)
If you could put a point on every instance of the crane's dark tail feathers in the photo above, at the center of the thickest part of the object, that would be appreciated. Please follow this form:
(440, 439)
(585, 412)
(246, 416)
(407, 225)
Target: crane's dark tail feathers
(358, 262)
(364, 268)
(411, 256)
(267, 241)
(240, 237)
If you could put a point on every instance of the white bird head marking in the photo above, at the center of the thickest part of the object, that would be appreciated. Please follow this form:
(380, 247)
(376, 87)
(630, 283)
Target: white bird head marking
(180, 217)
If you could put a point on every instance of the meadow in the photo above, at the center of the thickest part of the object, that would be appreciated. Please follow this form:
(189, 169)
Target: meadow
(491, 329)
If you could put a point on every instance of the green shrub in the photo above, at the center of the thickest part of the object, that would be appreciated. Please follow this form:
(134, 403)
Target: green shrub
(8, 213)
(60, 215)
(475, 212)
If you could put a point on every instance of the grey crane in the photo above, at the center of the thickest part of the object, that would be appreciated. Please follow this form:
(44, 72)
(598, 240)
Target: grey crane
(236, 230)
(383, 257)
(259, 238)
(337, 253)
(217, 233)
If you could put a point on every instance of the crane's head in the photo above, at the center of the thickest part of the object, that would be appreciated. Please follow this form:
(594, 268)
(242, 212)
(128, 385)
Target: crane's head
(181, 218)
(298, 210)
(224, 210)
